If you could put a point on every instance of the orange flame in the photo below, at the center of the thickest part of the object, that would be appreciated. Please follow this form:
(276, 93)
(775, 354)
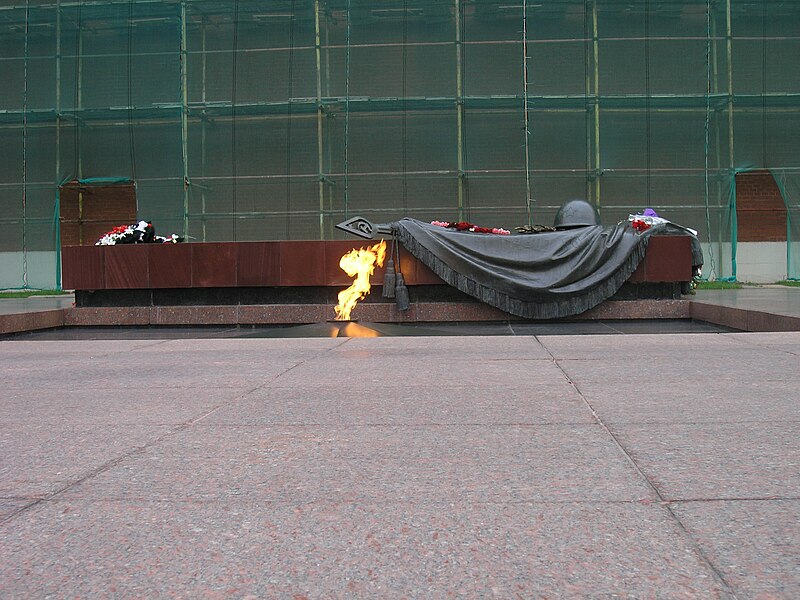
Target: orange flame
(361, 265)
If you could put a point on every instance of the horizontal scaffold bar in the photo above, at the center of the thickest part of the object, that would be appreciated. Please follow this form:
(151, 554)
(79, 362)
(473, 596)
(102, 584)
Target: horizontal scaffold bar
(310, 106)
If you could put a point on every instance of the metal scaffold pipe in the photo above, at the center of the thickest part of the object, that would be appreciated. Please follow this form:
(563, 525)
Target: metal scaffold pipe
(320, 140)
(185, 120)
(526, 115)
(459, 111)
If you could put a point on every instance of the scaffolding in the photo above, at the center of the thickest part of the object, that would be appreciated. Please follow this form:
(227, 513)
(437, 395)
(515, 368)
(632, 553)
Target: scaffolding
(250, 119)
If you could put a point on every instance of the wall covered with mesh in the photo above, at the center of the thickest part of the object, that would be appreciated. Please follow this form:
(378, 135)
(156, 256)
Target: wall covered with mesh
(250, 119)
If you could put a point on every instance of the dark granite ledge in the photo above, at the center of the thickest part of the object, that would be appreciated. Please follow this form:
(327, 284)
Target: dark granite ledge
(421, 312)
(252, 296)
(376, 312)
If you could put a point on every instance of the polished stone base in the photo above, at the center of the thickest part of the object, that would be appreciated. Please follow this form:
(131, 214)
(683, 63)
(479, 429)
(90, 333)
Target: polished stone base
(762, 310)
(31, 321)
(248, 296)
(374, 312)
(266, 283)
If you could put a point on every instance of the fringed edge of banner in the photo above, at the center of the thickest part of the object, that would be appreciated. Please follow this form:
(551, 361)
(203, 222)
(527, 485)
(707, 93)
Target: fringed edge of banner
(540, 308)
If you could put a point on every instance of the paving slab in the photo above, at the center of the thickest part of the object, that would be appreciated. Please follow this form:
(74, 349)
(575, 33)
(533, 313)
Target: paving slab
(38, 460)
(347, 550)
(84, 349)
(372, 371)
(689, 367)
(417, 467)
(455, 403)
(664, 326)
(9, 506)
(713, 400)
(157, 371)
(579, 347)
(454, 347)
(121, 331)
(717, 461)
(753, 544)
(303, 347)
(374, 464)
(788, 341)
(146, 404)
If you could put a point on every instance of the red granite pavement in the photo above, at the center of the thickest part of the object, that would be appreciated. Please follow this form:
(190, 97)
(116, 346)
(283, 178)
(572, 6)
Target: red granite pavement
(641, 466)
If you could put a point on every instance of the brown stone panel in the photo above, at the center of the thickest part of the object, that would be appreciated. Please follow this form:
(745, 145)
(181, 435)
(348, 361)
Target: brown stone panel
(170, 265)
(214, 264)
(288, 263)
(302, 263)
(425, 276)
(126, 266)
(332, 253)
(668, 258)
(640, 274)
(258, 264)
(407, 264)
(82, 268)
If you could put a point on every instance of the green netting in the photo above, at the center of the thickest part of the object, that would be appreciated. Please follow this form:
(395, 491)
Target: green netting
(277, 119)
(789, 184)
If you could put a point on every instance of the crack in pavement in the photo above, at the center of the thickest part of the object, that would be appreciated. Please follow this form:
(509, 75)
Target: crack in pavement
(665, 502)
(142, 448)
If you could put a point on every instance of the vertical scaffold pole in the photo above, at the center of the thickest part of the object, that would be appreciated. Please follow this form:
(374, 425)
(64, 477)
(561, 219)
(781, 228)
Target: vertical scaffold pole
(596, 90)
(25, 151)
(707, 136)
(203, 154)
(58, 92)
(329, 160)
(57, 210)
(185, 119)
(729, 50)
(320, 160)
(79, 107)
(459, 112)
(78, 117)
(347, 118)
(717, 139)
(731, 164)
(526, 114)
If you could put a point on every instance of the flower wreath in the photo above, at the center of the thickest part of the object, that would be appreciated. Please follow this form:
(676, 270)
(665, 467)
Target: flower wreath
(142, 232)
(464, 226)
(641, 222)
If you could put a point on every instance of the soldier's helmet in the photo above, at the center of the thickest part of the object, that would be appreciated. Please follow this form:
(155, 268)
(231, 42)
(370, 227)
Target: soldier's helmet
(576, 213)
